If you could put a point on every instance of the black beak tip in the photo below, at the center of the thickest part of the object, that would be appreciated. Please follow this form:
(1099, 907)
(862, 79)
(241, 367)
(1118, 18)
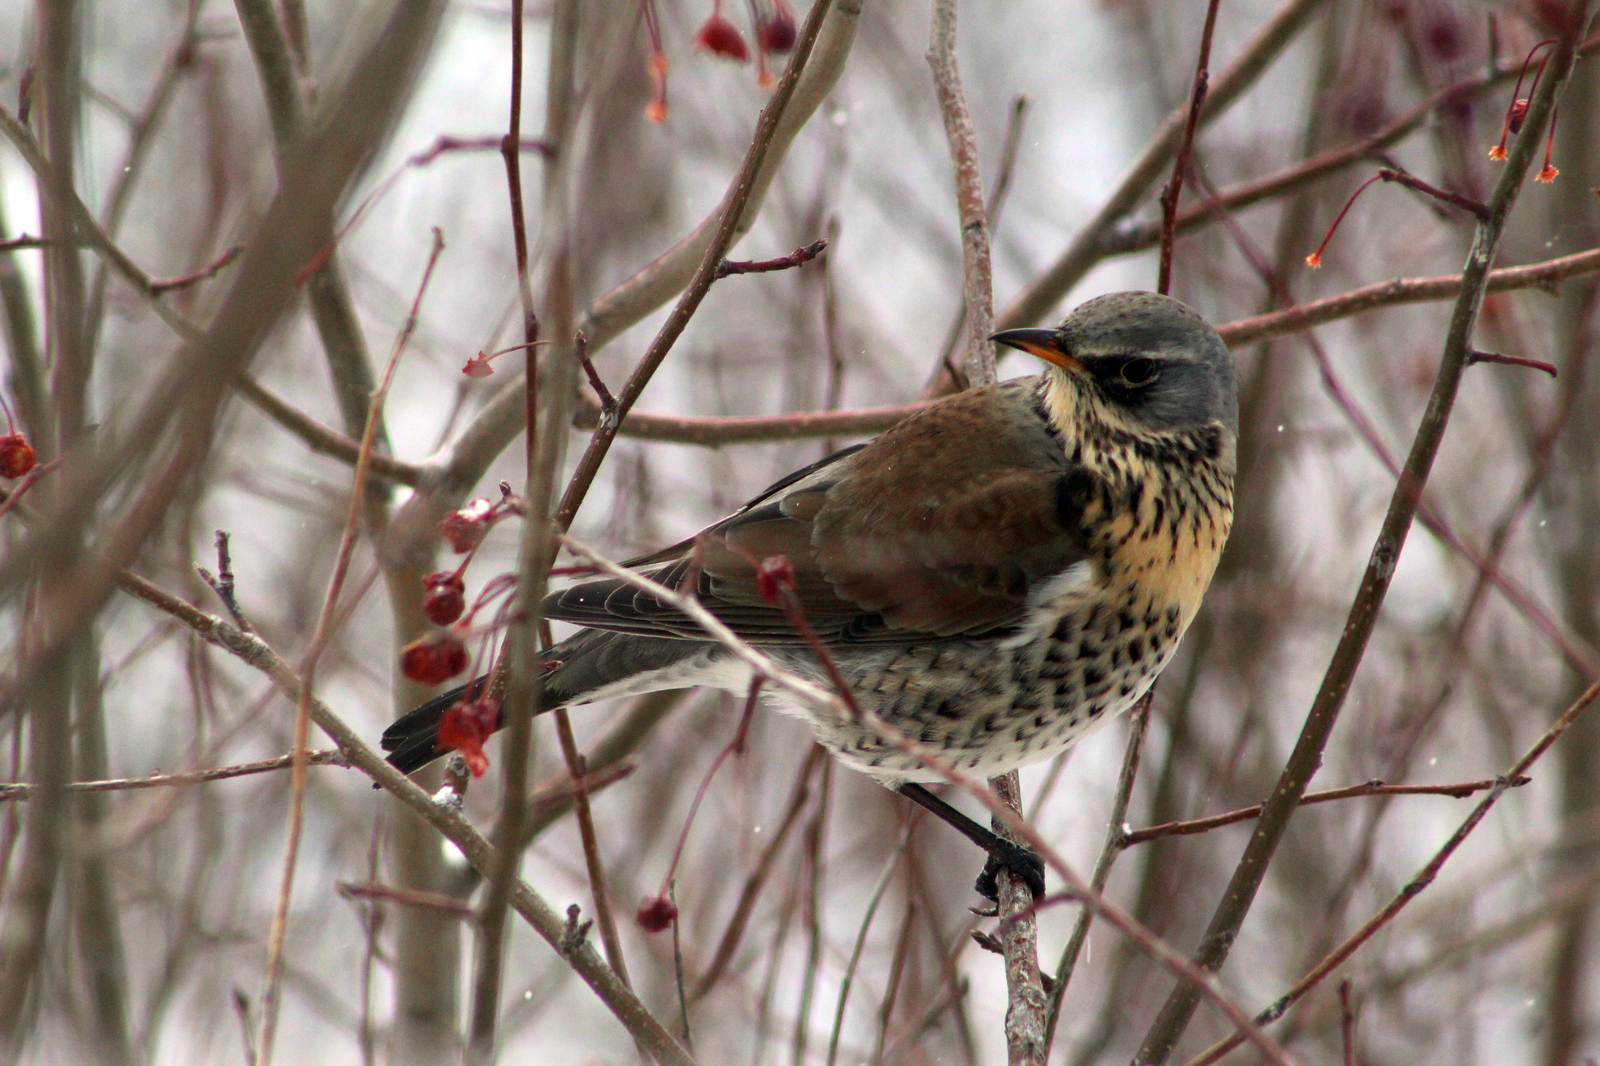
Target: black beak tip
(1026, 340)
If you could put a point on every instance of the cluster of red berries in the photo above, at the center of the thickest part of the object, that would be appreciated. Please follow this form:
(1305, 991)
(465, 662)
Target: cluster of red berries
(775, 32)
(1517, 114)
(441, 655)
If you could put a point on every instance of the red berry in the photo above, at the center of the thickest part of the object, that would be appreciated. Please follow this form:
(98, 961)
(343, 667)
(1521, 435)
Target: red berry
(433, 659)
(721, 37)
(776, 33)
(16, 455)
(656, 913)
(775, 579)
(445, 598)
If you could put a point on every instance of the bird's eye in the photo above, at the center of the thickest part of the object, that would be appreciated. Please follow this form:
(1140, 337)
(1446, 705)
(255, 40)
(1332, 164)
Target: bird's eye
(1138, 372)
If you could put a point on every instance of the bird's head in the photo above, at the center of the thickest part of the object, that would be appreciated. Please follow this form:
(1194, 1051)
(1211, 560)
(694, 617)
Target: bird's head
(1145, 359)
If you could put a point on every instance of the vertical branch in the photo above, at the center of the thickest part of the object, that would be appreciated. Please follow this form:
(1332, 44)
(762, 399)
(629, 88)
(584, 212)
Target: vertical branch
(26, 918)
(1180, 164)
(977, 283)
(545, 451)
(1325, 708)
(319, 642)
(1018, 934)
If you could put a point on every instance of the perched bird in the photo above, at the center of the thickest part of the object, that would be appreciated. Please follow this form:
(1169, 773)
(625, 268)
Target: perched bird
(995, 575)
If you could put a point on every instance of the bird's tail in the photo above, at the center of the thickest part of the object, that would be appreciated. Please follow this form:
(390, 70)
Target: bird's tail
(576, 670)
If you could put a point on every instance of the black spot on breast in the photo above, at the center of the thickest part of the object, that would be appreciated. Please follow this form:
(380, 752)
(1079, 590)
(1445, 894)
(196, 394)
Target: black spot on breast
(1073, 492)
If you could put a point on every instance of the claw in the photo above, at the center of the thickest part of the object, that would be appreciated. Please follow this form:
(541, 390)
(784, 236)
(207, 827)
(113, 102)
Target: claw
(1020, 860)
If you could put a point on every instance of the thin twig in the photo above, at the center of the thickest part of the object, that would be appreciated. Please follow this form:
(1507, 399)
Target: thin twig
(1027, 1007)
(1371, 788)
(493, 142)
(1307, 756)
(1540, 365)
(1473, 207)
(183, 281)
(873, 899)
(1417, 884)
(591, 847)
(608, 402)
(796, 258)
(1267, 327)
(411, 897)
(1010, 147)
(1115, 843)
(222, 582)
(325, 757)
(1180, 164)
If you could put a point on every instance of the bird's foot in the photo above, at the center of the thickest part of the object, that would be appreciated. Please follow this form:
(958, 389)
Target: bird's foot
(1020, 860)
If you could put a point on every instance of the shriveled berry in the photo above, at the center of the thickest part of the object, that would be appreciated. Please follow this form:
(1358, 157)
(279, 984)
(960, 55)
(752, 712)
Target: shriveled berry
(720, 37)
(466, 527)
(1516, 115)
(775, 33)
(656, 913)
(775, 578)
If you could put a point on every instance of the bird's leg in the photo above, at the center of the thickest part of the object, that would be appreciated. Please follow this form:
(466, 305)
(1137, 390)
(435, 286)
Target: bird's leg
(1003, 854)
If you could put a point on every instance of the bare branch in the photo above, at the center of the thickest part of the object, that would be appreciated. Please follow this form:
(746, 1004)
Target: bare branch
(977, 280)
(798, 257)
(1044, 292)
(1371, 788)
(327, 757)
(1180, 165)
(1417, 884)
(1307, 755)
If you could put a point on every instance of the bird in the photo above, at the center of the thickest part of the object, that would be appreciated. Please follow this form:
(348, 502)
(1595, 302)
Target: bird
(995, 575)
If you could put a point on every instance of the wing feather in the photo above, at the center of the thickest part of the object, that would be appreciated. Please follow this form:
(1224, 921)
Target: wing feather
(939, 528)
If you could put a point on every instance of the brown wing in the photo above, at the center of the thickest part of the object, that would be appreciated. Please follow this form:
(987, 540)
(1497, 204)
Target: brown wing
(939, 527)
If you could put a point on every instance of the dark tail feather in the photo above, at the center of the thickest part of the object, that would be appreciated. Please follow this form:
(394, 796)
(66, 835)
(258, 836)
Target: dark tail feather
(579, 665)
(412, 740)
